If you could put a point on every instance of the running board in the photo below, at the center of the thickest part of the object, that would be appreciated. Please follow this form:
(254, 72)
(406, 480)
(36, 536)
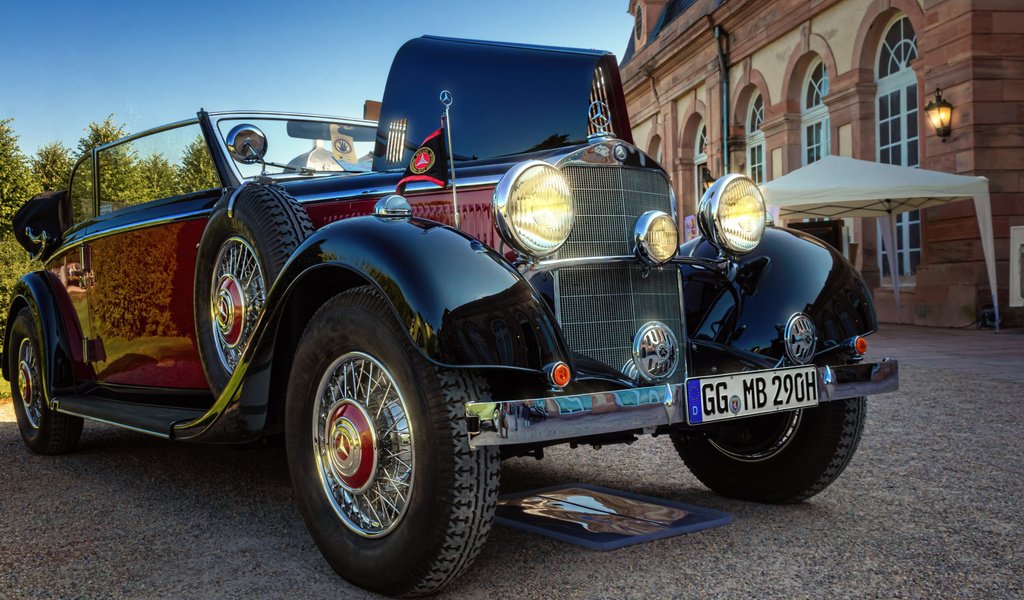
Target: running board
(144, 418)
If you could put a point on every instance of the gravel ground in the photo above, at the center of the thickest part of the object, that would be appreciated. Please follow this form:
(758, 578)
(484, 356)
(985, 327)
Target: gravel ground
(929, 507)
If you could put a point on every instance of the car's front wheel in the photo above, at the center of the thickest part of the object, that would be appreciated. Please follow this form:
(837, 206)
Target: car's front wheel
(379, 455)
(780, 458)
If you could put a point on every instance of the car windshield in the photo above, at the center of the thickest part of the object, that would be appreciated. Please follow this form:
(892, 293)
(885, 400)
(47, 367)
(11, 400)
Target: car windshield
(302, 145)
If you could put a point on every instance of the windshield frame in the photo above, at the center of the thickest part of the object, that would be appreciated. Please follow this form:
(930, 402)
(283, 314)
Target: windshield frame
(236, 115)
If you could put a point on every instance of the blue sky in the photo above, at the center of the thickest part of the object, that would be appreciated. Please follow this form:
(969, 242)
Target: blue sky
(64, 64)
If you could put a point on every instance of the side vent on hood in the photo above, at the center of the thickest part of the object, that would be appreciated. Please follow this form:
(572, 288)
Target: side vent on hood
(396, 142)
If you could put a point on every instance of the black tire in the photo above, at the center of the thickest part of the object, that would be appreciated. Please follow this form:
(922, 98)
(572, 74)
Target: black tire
(454, 490)
(44, 431)
(746, 465)
(273, 224)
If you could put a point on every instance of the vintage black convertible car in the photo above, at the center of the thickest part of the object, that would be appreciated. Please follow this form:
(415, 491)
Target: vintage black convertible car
(240, 275)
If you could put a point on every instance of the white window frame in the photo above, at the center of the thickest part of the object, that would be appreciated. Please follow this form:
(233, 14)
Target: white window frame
(700, 158)
(755, 140)
(901, 81)
(815, 116)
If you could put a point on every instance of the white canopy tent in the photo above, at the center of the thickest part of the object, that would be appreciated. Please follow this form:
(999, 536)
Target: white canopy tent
(838, 187)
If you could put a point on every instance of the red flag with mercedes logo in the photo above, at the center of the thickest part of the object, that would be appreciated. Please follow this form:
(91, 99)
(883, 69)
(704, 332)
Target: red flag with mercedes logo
(428, 163)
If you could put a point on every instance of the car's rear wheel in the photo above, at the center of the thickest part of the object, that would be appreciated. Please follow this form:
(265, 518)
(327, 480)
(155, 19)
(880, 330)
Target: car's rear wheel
(379, 454)
(240, 256)
(780, 458)
(43, 430)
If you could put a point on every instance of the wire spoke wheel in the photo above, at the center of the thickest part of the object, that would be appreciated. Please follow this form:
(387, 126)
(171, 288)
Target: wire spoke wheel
(363, 444)
(28, 383)
(43, 430)
(762, 440)
(237, 296)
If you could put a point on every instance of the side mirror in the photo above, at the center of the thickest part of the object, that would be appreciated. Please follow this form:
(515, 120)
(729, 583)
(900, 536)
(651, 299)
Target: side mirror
(246, 143)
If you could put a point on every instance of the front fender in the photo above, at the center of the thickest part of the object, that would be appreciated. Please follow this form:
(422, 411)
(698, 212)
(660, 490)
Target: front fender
(738, 317)
(461, 303)
(35, 292)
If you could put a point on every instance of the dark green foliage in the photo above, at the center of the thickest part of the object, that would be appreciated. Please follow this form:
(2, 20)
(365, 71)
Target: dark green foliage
(17, 183)
(196, 171)
(52, 166)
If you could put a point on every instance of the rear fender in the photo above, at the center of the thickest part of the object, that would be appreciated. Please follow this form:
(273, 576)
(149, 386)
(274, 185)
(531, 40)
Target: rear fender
(33, 291)
(461, 304)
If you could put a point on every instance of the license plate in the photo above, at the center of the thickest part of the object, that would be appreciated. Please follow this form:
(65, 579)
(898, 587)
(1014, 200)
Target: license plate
(752, 393)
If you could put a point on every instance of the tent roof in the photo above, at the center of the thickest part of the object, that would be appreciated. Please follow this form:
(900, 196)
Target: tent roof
(837, 187)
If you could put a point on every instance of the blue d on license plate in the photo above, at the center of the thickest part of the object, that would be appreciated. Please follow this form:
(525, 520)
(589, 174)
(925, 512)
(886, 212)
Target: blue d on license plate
(752, 393)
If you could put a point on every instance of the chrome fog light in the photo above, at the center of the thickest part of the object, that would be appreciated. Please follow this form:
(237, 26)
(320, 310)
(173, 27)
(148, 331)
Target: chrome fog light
(656, 237)
(731, 215)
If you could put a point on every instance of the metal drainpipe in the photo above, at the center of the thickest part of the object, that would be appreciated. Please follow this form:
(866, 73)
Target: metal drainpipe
(723, 70)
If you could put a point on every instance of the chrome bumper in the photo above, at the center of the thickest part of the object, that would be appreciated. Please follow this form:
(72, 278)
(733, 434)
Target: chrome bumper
(568, 417)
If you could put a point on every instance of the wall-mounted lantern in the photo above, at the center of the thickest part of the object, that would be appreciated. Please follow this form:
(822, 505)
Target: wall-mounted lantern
(940, 113)
(706, 178)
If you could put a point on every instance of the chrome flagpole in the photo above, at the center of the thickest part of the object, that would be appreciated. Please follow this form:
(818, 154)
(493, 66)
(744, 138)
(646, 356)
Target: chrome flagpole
(446, 100)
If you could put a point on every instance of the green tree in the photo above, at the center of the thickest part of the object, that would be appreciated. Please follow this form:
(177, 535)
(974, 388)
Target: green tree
(119, 181)
(52, 166)
(97, 134)
(157, 177)
(17, 184)
(196, 171)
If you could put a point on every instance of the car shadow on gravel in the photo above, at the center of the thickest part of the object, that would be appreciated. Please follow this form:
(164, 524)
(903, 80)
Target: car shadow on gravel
(142, 512)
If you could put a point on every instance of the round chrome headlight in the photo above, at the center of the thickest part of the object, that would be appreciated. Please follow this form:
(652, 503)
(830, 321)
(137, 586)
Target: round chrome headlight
(533, 208)
(656, 237)
(731, 214)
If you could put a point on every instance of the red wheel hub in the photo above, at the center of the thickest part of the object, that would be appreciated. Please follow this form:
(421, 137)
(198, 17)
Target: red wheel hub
(352, 450)
(25, 382)
(229, 310)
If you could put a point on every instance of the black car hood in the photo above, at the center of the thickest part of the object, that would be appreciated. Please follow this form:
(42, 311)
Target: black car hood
(506, 99)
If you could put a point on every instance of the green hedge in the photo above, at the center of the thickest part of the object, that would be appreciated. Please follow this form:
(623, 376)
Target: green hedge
(14, 263)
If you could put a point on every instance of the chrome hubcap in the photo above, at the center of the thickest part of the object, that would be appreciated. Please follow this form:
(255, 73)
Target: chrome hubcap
(31, 395)
(351, 445)
(237, 299)
(363, 444)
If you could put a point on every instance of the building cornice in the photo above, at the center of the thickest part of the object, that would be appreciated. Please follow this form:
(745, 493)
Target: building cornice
(682, 39)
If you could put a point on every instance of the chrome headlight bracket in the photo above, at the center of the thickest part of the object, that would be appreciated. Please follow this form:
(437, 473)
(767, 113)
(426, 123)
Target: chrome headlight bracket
(504, 209)
(650, 224)
(718, 221)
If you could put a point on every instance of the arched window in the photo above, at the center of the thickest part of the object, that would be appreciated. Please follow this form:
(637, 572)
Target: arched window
(814, 114)
(638, 23)
(755, 140)
(897, 134)
(700, 158)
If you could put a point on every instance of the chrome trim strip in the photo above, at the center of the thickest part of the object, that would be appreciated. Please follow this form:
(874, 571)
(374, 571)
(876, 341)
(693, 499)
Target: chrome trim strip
(114, 423)
(568, 417)
(293, 115)
(464, 184)
(188, 216)
(559, 263)
(135, 136)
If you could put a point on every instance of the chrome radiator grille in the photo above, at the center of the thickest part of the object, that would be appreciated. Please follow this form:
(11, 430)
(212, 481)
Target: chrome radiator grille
(601, 307)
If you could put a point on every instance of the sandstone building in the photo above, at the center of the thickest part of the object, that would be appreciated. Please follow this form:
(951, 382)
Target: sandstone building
(808, 78)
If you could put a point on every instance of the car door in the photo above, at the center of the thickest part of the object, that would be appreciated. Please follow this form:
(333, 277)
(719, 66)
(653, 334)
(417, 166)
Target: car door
(68, 268)
(155, 192)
